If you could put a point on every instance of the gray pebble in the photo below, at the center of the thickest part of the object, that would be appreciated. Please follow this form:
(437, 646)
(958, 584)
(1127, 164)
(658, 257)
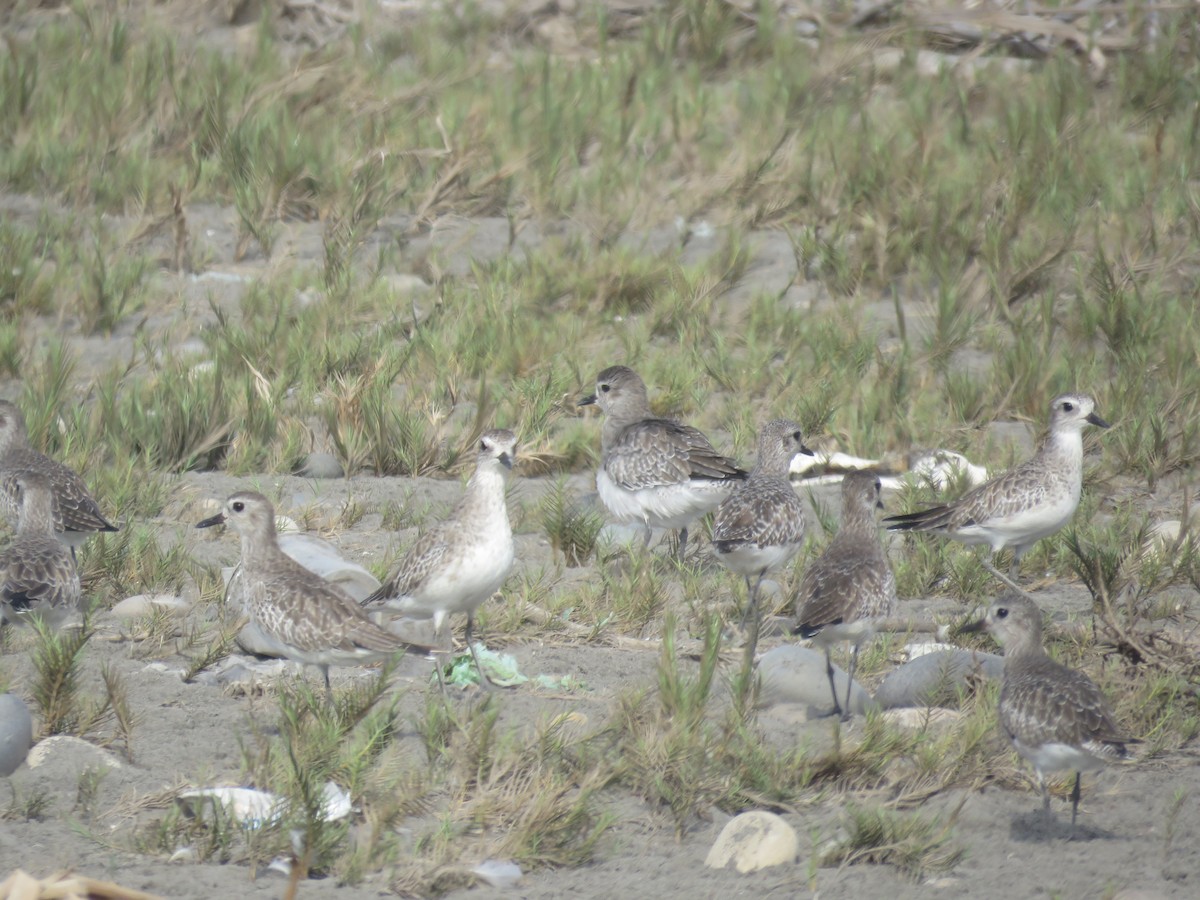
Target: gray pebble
(936, 679)
(792, 674)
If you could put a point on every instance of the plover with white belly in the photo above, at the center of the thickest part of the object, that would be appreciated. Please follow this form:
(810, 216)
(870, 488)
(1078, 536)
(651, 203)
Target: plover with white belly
(1029, 502)
(655, 471)
(461, 562)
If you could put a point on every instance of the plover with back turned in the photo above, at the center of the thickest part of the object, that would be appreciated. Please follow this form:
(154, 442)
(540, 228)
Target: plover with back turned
(655, 471)
(1029, 502)
(37, 571)
(760, 526)
(1056, 718)
(461, 562)
(849, 587)
(298, 614)
(76, 515)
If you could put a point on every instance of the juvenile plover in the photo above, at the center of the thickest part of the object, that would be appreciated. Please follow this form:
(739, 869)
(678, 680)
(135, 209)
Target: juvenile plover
(760, 526)
(461, 562)
(298, 614)
(1029, 502)
(1057, 718)
(37, 572)
(850, 586)
(76, 516)
(655, 471)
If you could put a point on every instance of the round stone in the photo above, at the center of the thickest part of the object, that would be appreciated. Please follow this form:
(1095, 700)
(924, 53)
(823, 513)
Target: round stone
(752, 841)
(16, 733)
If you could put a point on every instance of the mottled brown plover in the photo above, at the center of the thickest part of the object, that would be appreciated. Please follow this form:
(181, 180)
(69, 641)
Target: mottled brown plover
(298, 614)
(461, 562)
(655, 471)
(76, 516)
(760, 526)
(1057, 718)
(1026, 503)
(850, 586)
(37, 571)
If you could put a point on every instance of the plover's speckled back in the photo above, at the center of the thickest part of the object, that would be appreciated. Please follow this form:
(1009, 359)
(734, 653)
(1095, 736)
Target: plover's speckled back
(297, 613)
(1057, 718)
(654, 471)
(760, 526)
(37, 571)
(850, 586)
(76, 516)
(1026, 503)
(458, 564)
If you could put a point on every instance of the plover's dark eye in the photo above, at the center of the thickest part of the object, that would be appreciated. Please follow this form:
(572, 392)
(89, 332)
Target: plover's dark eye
(1068, 406)
(604, 389)
(1002, 613)
(796, 436)
(239, 506)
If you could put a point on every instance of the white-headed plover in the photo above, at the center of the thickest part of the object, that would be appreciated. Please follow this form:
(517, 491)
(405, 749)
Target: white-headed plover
(461, 562)
(1029, 502)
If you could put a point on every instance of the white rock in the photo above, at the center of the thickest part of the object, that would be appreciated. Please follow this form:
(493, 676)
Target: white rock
(64, 744)
(254, 808)
(918, 719)
(498, 873)
(752, 841)
(16, 733)
(140, 606)
(942, 467)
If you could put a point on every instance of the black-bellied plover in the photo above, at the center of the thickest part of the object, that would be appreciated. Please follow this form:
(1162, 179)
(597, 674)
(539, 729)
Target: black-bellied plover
(1029, 502)
(298, 614)
(37, 571)
(760, 526)
(849, 587)
(76, 516)
(461, 562)
(1057, 718)
(654, 471)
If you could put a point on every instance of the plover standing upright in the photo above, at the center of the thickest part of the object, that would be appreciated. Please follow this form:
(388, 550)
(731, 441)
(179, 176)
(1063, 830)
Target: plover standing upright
(654, 471)
(1057, 718)
(37, 571)
(298, 614)
(1029, 502)
(850, 586)
(760, 526)
(459, 563)
(76, 516)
